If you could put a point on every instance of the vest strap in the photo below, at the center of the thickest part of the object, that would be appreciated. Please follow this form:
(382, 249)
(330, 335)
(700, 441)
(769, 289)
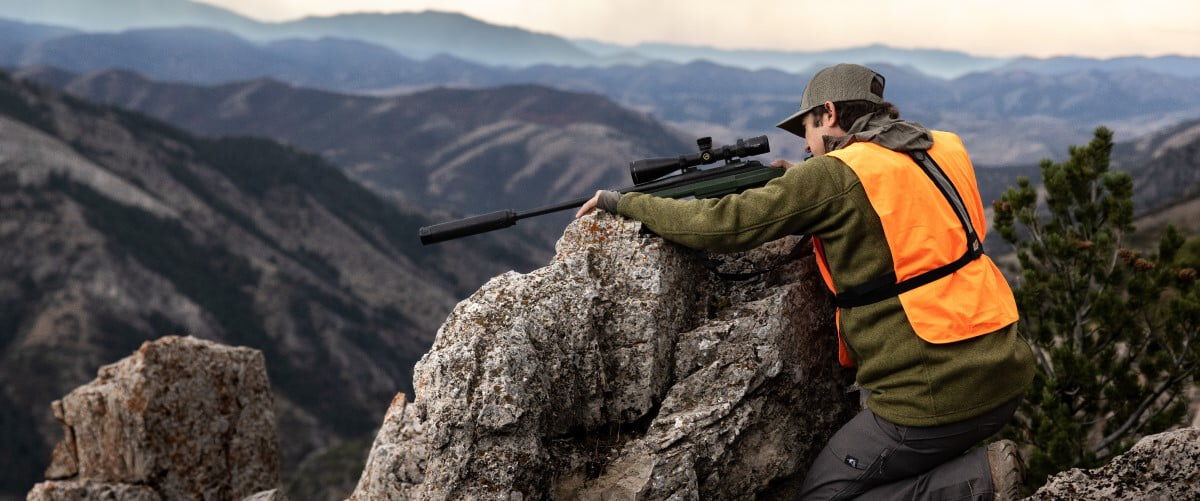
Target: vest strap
(885, 286)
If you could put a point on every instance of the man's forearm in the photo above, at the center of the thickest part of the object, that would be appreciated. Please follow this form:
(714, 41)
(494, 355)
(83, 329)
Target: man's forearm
(794, 202)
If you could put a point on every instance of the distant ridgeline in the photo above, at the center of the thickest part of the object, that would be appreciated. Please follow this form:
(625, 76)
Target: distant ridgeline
(429, 33)
(1009, 112)
(119, 228)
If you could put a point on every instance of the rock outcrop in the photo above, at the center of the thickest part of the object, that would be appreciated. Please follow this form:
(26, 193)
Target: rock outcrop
(1165, 466)
(624, 369)
(182, 418)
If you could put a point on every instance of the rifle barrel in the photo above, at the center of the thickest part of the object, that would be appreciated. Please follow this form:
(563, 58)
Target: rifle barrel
(553, 208)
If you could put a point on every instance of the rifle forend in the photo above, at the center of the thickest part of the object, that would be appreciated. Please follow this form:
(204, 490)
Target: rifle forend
(651, 175)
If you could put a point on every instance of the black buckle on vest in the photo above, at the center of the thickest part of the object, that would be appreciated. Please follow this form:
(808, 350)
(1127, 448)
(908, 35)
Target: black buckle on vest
(885, 286)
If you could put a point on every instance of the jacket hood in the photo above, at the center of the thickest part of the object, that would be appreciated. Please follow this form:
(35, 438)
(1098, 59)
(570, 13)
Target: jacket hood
(891, 133)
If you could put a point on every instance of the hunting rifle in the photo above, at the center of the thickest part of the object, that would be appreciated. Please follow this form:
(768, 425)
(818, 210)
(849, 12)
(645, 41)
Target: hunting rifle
(650, 175)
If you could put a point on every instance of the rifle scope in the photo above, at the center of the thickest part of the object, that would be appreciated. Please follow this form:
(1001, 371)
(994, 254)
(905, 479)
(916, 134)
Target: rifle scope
(649, 169)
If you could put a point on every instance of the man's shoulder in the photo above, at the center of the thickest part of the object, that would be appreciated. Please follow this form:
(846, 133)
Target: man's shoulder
(822, 164)
(824, 169)
(825, 161)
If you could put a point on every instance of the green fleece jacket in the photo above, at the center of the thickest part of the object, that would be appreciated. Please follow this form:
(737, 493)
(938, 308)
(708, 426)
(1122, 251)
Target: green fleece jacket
(910, 382)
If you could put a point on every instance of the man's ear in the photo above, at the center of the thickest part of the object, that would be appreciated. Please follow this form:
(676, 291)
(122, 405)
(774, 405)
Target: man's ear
(831, 110)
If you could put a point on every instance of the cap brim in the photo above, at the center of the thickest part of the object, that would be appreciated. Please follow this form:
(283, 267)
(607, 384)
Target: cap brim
(795, 124)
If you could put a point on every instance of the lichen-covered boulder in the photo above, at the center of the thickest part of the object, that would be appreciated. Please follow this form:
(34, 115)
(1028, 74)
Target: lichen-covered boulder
(622, 370)
(1165, 466)
(182, 418)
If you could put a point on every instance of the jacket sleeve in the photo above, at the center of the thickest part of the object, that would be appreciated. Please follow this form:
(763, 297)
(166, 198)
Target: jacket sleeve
(799, 201)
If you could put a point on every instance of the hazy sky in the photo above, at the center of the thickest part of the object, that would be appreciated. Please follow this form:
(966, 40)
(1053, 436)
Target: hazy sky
(1098, 28)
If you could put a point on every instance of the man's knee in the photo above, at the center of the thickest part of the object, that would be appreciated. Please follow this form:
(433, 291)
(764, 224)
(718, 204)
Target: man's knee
(852, 461)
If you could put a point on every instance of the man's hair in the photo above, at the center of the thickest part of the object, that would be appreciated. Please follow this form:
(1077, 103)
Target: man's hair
(850, 111)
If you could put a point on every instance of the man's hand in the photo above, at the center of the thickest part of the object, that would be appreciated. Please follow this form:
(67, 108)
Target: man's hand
(589, 206)
(604, 199)
(781, 163)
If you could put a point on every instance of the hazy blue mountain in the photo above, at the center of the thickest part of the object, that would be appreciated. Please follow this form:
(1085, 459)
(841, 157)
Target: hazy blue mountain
(1179, 66)
(18, 34)
(203, 55)
(414, 34)
(424, 34)
(941, 63)
(117, 15)
(1007, 116)
(184, 54)
(1090, 95)
(15, 36)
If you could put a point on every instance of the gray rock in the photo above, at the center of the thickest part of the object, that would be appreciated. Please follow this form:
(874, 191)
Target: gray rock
(621, 370)
(82, 490)
(1165, 466)
(181, 418)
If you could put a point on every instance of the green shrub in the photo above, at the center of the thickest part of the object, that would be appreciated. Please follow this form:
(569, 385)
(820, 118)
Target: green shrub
(1116, 335)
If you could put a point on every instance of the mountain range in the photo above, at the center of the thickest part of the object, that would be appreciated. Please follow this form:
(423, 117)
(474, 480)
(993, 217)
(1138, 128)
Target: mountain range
(428, 33)
(471, 151)
(119, 228)
(414, 159)
(1006, 116)
(420, 34)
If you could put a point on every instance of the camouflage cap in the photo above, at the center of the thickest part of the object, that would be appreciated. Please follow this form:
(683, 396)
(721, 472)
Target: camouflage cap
(842, 82)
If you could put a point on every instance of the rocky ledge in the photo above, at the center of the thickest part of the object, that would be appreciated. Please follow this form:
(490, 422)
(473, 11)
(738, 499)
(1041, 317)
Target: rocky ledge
(624, 369)
(1165, 466)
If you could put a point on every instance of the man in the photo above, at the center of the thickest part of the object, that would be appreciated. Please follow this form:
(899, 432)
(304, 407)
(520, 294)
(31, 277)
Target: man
(928, 320)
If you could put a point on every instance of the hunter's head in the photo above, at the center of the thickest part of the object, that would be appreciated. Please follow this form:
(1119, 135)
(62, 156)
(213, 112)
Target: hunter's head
(833, 100)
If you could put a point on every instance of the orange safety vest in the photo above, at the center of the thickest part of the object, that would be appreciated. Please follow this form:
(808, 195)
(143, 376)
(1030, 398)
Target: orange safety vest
(933, 220)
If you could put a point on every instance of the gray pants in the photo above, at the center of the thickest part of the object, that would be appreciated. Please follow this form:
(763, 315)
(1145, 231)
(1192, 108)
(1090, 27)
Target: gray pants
(877, 459)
